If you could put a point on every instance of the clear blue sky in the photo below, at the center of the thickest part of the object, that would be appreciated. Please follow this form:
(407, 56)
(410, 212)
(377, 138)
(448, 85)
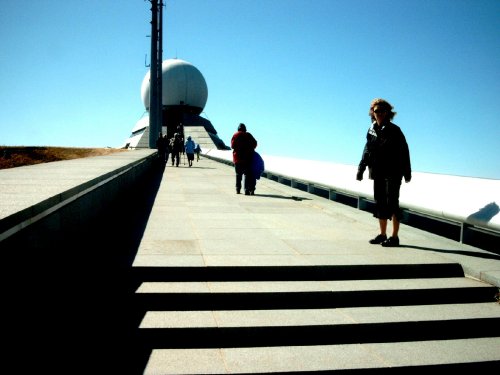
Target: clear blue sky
(300, 73)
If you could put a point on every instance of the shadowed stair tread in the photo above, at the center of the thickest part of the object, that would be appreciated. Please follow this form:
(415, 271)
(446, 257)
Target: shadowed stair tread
(251, 259)
(322, 357)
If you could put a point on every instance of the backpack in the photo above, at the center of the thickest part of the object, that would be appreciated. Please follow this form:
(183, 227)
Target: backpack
(257, 165)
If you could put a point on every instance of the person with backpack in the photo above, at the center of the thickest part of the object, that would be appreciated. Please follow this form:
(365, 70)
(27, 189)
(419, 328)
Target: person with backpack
(176, 147)
(243, 144)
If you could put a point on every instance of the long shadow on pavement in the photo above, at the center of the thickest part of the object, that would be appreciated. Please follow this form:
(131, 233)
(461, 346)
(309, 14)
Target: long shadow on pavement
(475, 254)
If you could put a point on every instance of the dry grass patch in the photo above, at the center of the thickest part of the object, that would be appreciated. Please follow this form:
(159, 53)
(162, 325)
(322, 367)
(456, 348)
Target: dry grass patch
(17, 156)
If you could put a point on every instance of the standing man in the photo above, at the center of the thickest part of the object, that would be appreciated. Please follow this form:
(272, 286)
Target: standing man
(243, 145)
(387, 157)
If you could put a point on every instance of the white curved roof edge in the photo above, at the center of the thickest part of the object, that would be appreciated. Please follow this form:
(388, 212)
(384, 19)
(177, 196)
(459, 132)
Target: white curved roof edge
(141, 124)
(447, 196)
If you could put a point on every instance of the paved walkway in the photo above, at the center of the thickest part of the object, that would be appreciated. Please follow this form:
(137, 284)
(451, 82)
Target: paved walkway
(279, 281)
(199, 220)
(208, 309)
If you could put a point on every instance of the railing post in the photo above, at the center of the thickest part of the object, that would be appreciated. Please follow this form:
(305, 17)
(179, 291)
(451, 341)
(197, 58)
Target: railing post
(332, 195)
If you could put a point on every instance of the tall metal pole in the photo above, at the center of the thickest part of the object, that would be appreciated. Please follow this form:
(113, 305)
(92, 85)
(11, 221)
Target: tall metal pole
(160, 61)
(155, 67)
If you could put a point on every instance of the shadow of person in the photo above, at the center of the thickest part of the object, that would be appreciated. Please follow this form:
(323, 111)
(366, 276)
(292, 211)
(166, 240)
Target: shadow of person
(476, 254)
(293, 197)
(485, 214)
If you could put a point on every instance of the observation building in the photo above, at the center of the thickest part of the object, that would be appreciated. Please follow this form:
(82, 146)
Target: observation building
(184, 96)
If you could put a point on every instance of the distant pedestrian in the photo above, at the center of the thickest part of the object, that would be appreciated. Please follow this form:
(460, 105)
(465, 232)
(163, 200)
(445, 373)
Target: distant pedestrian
(189, 148)
(243, 144)
(387, 156)
(176, 148)
(162, 145)
(180, 131)
(197, 151)
(167, 148)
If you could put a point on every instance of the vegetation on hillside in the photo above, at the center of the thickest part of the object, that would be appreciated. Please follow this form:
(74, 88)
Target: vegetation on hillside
(17, 156)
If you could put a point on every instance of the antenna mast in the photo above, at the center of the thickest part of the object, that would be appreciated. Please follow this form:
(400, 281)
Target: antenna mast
(155, 74)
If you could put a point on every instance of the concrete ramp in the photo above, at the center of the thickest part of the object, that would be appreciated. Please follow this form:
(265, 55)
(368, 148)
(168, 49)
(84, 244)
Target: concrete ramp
(201, 136)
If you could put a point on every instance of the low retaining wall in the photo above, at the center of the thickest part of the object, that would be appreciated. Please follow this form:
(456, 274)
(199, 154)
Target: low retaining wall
(60, 195)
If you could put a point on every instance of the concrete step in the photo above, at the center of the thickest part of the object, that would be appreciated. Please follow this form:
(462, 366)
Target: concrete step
(380, 358)
(308, 286)
(200, 136)
(236, 337)
(304, 300)
(309, 319)
(318, 317)
(298, 272)
(250, 328)
(309, 294)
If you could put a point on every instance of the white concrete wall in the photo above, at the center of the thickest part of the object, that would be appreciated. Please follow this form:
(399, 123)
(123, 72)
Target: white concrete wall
(446, 196)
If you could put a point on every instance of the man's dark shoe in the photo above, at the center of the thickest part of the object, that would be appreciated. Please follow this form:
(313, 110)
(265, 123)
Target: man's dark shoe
(238, 191)
(379, 239)
(247, 192)
(391, 242)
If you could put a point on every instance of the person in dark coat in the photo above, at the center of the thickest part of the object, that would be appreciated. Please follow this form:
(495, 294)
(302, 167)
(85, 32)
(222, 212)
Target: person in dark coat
(243, 144)
(197, 151)
(176, 148)
(387, 156)
(162, 146)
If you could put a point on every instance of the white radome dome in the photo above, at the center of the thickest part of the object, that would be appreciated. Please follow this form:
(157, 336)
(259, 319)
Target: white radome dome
(182, 84)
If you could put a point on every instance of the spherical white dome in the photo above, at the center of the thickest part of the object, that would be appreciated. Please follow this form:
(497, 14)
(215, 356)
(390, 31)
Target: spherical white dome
(182, 84)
